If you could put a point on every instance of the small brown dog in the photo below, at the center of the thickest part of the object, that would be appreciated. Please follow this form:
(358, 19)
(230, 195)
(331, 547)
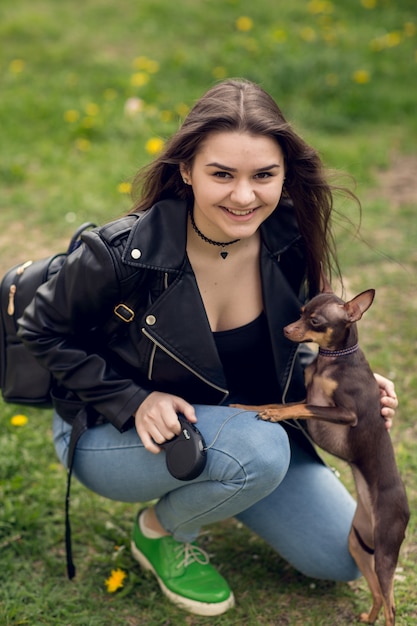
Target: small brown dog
(344, 418)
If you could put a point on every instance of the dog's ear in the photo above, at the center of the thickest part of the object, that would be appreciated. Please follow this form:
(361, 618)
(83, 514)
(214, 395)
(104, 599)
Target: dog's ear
(356, 307)
(325, 286)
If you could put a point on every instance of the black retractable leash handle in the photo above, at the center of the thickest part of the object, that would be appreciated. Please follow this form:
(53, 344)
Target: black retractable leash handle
(186, 453)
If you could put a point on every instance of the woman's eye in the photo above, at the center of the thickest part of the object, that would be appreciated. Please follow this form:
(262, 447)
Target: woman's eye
(221, 174)
(263, 175)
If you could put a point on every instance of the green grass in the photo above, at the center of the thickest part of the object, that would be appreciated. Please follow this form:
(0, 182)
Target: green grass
(68, 69)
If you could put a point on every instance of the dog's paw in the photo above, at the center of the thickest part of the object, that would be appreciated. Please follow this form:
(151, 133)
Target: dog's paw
(270, 415)
(266, 412)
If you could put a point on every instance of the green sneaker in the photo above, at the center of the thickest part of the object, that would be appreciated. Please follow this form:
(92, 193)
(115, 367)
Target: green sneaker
(184, 573)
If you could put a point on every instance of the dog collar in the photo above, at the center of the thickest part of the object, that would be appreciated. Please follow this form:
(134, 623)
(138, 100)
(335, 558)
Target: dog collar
(335, 353)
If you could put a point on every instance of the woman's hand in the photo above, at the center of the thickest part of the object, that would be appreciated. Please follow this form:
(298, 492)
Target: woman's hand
(389, 401)
(156, 419)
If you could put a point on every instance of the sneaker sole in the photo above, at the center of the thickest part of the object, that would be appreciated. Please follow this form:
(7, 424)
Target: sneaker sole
(193, 606)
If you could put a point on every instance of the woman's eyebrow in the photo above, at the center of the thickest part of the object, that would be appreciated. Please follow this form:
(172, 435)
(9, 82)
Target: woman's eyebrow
(233, 169)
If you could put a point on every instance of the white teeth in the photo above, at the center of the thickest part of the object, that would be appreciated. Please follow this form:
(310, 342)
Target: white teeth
(234, 212)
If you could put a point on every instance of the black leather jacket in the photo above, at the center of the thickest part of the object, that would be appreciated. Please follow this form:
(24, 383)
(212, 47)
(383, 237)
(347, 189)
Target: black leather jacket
(124, 315)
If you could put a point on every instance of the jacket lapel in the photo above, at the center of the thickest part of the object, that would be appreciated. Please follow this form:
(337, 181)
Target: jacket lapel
(177, 323)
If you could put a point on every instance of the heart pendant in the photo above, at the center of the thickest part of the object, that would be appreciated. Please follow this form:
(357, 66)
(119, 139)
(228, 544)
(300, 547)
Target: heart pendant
(223, 254)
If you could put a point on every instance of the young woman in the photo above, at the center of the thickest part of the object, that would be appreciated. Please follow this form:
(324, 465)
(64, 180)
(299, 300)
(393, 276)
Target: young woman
(224, 245)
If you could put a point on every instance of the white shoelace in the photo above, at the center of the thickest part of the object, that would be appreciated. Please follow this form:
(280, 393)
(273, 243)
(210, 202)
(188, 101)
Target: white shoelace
(191, 554)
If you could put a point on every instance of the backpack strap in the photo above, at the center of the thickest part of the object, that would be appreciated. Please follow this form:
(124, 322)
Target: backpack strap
(76, 238)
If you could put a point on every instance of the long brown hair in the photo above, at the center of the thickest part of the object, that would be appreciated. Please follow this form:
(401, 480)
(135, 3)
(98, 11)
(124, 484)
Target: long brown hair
(240, 105)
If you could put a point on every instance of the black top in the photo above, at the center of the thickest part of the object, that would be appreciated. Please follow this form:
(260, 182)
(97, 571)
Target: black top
(247, 360)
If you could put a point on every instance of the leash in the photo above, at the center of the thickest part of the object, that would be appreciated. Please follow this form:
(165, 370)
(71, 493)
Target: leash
(80, 426)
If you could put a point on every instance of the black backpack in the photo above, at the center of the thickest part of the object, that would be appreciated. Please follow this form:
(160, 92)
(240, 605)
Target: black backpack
(22, 379)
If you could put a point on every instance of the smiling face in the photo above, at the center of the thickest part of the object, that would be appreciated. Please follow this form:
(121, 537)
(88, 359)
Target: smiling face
(237, 181)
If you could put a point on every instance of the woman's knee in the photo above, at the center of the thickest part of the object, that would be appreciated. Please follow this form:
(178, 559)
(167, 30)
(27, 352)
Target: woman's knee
(258, 450)
(336, 566)
(269, 450)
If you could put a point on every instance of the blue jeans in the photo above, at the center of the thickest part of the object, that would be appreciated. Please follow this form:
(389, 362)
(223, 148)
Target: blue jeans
(278, 490)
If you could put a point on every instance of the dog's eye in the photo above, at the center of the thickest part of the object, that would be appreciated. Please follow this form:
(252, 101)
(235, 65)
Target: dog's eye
(314, 321)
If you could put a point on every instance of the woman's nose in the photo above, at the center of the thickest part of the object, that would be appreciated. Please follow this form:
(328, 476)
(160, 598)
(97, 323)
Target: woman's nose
(242, 193)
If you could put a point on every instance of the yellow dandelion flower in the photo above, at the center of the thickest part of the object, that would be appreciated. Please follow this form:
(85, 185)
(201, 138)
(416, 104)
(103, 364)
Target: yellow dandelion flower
(279, 35)
(389, 40)
(92, 109)
(393, 39)
(361, 77)
(17, 66)
(124, 187)
(83, 144)
(166, 116)
(244, 23)
(140, 63)
(154, 145)
(219, 72)
(148, 65)
(115, 580)
(182, 109)
(409, 29)
(139, 79)
(368, 4)
(308, 34)
(71, 116)
(19, 420)
(152, 66)
(320, 6)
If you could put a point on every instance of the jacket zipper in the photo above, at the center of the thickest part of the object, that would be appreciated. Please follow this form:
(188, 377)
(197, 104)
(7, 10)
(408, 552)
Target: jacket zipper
(161, 347)
(292, 423)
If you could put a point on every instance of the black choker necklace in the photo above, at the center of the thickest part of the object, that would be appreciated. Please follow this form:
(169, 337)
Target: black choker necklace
(223, 252)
